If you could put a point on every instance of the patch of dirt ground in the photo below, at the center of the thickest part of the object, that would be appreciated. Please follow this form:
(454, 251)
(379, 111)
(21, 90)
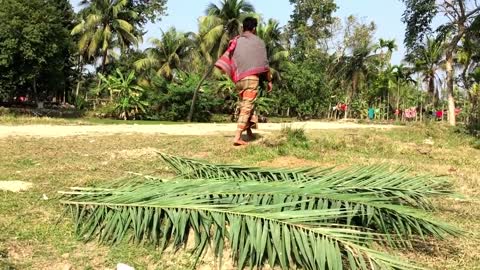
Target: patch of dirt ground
(53, 131)
(288, 162)
(15, 186)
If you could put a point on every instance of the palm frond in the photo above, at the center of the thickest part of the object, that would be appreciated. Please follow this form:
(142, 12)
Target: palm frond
(212, 9)
(93, 20)
(95, 42)
(79, 28)
(257, 230)
(398, 183)
(124, 25)
(308, 218)
(146, 63)
(380, 198)
(190, 168)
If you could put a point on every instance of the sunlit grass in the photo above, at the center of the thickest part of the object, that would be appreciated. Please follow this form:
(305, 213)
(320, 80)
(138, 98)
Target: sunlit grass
(35, 235)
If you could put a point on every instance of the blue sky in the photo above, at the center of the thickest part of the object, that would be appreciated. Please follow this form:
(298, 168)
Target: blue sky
(183, 14)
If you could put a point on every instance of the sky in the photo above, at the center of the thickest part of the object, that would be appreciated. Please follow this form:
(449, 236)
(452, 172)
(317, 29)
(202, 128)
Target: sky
(183, 14)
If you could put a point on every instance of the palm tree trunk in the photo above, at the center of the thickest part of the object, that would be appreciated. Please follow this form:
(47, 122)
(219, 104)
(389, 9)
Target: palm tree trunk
(64, 93)
(350, 96)
(329, 110)
(35, 92)
(195, 94)
(431, 90)
(388, 106)
(104, 60)
(421, 110)
(77, 90)
(451, 99)
(398, 99)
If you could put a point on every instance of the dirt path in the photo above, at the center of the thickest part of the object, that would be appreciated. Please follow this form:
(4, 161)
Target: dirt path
(180, 129)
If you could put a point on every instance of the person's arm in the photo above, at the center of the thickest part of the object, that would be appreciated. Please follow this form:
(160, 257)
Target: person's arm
(269, 79)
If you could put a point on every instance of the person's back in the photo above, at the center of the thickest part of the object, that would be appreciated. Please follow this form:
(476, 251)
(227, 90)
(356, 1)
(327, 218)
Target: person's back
(250, 56)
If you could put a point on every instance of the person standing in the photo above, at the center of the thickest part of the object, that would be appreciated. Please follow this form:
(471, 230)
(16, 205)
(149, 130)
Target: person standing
(246, 62)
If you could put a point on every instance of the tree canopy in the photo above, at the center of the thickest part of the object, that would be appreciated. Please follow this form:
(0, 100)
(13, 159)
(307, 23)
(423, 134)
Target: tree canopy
(35, 47)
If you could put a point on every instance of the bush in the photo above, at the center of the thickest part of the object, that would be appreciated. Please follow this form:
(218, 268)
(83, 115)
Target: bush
(4, 111)
(173, 101)
(296, 137)
(476, 144)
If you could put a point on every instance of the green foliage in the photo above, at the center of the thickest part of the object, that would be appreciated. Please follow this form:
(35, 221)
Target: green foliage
(173, 102)
(428, 59)
(310, 23)
(104, 26)
(170, 53)
(149, 10)
(297, 218)
(38, 57)
(222, 23)
(412, 190)
(35, 48)
(278, 55)
(126, 95)
(303, 89)
(295, 136)
(418, 17)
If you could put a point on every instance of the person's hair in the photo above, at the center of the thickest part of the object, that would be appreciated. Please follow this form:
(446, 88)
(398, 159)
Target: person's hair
(249, 24)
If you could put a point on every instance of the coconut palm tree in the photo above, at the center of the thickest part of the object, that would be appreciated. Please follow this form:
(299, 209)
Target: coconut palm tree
(278, 56)
(358, 67)
(106, 24)
(221, 23)
(390, 46)
(401, 74)
(428, 59)
(168, 54)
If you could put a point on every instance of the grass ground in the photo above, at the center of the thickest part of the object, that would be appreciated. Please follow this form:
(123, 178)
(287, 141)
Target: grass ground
(35, 235)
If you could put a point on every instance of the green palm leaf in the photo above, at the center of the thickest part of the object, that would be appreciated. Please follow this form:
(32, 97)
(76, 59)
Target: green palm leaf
(307, 218)
(398, 184)
(106, 25)
(257, 230)
(190, 168)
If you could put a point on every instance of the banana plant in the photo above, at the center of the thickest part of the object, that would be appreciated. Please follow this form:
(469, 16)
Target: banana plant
(125, 94)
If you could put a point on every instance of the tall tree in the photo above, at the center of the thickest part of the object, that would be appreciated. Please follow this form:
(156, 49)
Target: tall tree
(310, 24)
(106, 24)
(360, 55)
(401, 74)
(461, 14)
(390, 46)
(169, 53)
(149, 10)
(34, 47)
(428, 59)
(271, 34)
(221, 23)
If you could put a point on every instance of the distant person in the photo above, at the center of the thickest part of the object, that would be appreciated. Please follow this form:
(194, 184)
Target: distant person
(246, 62)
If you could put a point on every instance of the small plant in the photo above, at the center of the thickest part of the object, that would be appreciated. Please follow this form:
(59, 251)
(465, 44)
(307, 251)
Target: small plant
(295, 136)
(476, 144)
(125, 94)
